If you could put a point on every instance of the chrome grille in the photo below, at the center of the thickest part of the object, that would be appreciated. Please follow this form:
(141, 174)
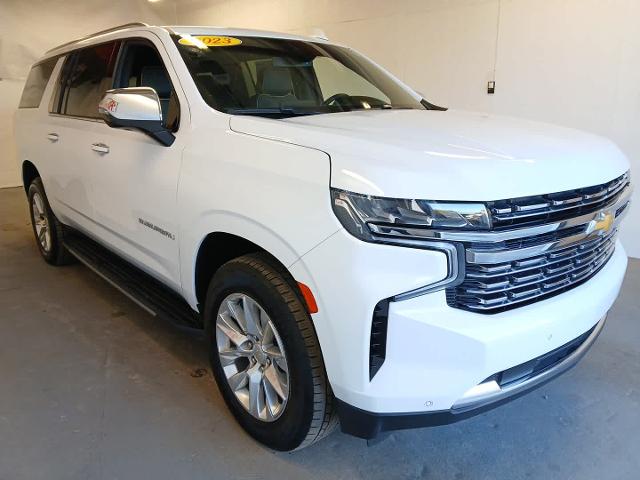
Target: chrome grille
(491, 288)
(555, 206)
(509, 267)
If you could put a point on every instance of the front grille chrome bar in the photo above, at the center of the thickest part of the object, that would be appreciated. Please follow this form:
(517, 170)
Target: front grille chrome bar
(518, 280)
(493, 292)
(509, 255)
(510, 213)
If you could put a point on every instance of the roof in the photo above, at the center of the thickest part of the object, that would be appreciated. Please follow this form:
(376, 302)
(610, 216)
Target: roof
(240, 32)
(186, 30)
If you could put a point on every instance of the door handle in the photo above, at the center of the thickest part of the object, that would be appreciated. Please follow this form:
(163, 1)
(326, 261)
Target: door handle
(53, 137)
(100, 148)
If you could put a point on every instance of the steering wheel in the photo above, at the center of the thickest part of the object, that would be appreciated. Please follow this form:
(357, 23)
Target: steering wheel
(338, 98)
(354, 101)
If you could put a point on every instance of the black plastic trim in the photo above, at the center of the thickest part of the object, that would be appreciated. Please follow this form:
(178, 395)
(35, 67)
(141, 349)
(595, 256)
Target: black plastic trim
(430, 106)
(153, 128)
(378, 339)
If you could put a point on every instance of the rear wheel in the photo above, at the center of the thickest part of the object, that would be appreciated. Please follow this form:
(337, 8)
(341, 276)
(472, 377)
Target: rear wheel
(49, 232)
(265, 354)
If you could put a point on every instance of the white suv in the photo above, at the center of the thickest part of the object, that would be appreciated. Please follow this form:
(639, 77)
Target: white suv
(352, 251)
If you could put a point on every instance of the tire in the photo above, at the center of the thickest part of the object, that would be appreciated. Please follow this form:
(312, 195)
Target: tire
(308, 413)
(48, 231)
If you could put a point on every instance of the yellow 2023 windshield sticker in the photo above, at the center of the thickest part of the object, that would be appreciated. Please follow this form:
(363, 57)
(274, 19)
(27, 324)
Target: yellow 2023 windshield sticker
(202, 41)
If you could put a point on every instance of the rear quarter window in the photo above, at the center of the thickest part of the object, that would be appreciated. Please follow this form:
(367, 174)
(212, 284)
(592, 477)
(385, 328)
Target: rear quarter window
(36, 83)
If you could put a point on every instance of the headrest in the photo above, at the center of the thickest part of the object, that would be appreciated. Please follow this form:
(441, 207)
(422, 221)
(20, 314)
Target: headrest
(156, 78)
(276, 81)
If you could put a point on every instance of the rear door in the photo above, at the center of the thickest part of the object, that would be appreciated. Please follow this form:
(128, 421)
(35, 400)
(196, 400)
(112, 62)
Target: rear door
(72, 121)
(32, 130)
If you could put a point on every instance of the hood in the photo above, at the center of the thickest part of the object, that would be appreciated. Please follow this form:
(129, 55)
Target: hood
(450, 155)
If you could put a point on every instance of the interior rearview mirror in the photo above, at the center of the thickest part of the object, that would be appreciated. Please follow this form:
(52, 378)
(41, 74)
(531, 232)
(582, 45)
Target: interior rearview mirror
(137, 108)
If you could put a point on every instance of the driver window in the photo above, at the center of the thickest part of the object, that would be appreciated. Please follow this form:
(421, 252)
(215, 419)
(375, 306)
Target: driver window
(335, 78)
(141, 66)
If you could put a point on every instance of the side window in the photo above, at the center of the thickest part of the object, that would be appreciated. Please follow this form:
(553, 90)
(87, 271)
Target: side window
(87, 80)
(36, 83)
(142, 66)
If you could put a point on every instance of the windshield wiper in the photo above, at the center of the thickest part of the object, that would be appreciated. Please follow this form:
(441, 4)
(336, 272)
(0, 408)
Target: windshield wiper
(278, 112)
(284, 112)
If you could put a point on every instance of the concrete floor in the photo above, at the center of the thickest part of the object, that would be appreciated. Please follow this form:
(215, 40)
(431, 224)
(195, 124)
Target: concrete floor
(93, 387)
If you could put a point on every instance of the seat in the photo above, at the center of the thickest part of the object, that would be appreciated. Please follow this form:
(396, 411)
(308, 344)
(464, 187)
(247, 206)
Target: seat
(215, 83)
(156, 78)
(277, 89)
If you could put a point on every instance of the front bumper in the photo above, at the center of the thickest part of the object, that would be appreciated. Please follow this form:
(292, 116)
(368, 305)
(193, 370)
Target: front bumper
(435, 354)
(485, 396)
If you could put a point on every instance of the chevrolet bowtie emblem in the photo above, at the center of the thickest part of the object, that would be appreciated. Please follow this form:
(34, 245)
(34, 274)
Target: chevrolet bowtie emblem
(601, 224)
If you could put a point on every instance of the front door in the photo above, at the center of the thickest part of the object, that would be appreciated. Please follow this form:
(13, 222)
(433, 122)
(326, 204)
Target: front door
(135, 177)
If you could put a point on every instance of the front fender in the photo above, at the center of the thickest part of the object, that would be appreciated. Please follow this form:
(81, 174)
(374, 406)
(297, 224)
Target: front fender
(271, 193)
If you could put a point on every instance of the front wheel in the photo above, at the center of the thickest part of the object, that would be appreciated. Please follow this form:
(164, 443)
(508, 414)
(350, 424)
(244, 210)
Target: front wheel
(265, 354)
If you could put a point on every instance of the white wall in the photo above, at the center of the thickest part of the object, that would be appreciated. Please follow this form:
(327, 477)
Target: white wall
(570, 62)
(29, 28)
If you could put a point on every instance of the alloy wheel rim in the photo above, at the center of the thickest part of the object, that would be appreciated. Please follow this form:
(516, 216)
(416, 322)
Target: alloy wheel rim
(41, 222)
(252, 357)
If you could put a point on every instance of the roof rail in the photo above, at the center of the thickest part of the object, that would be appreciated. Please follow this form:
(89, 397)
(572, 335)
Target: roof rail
(101, 32)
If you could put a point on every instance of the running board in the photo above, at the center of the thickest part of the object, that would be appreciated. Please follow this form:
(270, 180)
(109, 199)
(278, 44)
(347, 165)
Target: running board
(147, 292)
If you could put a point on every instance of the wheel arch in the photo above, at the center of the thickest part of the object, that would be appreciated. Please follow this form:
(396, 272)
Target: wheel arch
(215, 250)
(29, 174)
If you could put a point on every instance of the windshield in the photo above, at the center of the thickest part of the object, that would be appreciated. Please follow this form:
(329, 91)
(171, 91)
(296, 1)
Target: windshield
(280, 78)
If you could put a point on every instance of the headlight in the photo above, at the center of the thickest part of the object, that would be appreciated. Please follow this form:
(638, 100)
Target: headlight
(365, 216)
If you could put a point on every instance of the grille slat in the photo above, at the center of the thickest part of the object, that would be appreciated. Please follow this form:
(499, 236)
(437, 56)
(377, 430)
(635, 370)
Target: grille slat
(542, 208)
(552, 259)
(509, 281)
(495, 292)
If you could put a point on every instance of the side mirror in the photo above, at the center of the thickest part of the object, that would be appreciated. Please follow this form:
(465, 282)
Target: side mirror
(138, 108)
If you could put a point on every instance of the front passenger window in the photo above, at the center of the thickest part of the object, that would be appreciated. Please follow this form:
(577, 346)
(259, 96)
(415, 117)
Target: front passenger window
(142, 67)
